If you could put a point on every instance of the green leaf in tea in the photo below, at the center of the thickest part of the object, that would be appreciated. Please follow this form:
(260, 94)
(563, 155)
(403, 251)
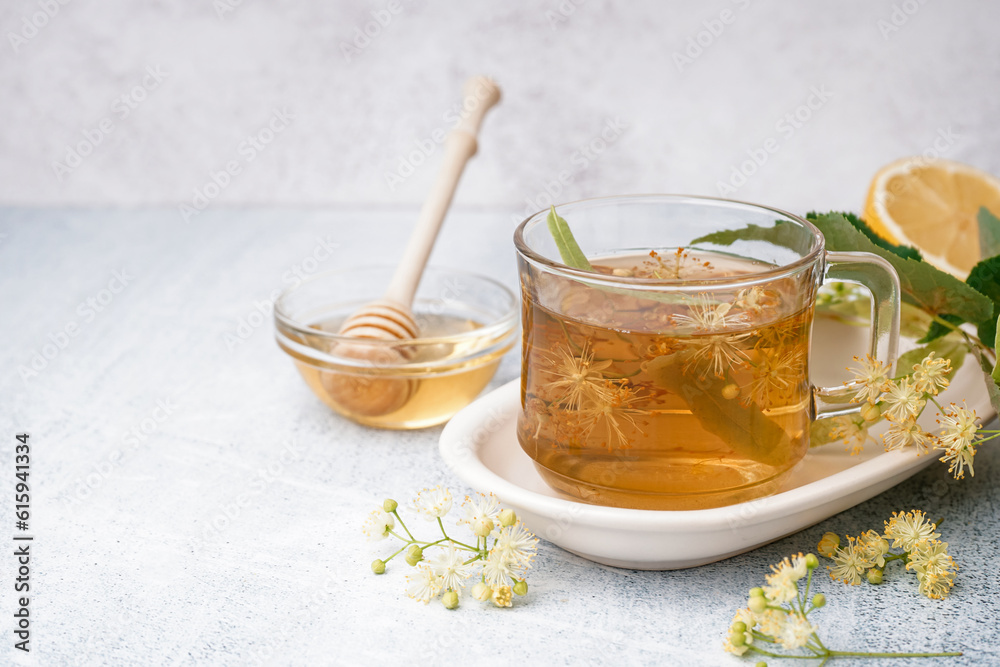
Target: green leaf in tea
(746, 429)
(569, 249)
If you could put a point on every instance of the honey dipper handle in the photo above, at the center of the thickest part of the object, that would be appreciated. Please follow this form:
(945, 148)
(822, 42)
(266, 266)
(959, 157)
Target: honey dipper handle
(479, 94)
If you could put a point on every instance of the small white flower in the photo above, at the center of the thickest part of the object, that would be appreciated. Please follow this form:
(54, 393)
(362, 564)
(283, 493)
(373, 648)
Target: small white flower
(517, 544)
(782, 583)
(433, 503)
(874, 378)
(907, 529)
(907, 433)
(377, 525)
(481, 513)
(903, 401)
(450, 567)
(424, 585)
(796, 631)
(930, 375)
(957, 439)
(497, 569)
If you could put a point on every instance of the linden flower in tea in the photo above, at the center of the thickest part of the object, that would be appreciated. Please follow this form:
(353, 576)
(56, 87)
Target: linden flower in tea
(683, 394)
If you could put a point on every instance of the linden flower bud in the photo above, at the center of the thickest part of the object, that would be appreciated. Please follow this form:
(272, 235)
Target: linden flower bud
(738, 626)
(482, 592)
(756, 591)
(871, 413)
(730, 391)
(390, 505)
(757, 603)
(874, 576)
(819, 600)
(811, 561)
(520, 587)
(828, 544)
(450, 600)
(414, 555)
(507, 518)
(761, 664)
(737, 639)
(378, 566)
(483, 527)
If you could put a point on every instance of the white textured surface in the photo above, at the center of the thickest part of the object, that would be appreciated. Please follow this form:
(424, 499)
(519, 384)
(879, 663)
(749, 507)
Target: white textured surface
(126, 574)
(564, 76)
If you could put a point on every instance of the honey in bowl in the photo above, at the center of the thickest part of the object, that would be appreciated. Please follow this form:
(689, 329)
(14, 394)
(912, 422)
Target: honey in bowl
(429, 383)
(680, 401)
(467, 323)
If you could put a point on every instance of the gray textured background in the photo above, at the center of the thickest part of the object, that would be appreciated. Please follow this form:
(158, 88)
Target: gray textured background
(125, 572)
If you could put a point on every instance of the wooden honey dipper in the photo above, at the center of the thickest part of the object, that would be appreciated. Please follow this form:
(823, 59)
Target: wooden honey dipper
(391, 318)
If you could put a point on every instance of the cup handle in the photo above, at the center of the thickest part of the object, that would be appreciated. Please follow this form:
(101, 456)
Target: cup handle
(875, 273)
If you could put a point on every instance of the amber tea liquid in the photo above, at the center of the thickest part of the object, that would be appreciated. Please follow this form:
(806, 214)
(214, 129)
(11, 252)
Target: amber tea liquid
(681, 401)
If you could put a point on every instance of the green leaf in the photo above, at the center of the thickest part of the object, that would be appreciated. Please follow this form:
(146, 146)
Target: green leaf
(937, 330)
(985, 278)
(995, 375)
(989, 233)
(781, 234)
(935, 291)
(569, 250)
(862, 226)
(746, 429)
(990, 372)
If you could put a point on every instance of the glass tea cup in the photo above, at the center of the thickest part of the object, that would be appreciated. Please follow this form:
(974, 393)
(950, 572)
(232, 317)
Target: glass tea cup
(675, 374)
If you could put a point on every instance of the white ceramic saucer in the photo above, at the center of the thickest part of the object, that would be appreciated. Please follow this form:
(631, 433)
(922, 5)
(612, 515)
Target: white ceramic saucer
(480, 445)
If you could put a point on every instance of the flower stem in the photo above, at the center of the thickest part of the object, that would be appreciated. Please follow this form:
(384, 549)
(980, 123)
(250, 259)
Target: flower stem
(386, 560)
(400, 520)
(863, 654)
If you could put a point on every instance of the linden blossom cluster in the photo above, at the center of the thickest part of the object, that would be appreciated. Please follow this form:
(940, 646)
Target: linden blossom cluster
(867, 554)
(502, 566)
(901, 401)
(777, 616)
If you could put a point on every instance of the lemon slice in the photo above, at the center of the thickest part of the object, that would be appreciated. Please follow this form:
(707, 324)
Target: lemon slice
(932, 205)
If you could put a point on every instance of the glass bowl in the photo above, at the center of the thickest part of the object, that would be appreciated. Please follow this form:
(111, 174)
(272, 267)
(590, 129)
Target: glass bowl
(467, 322)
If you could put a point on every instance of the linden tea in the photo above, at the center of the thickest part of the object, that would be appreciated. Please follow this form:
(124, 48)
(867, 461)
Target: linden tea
(669, 400)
